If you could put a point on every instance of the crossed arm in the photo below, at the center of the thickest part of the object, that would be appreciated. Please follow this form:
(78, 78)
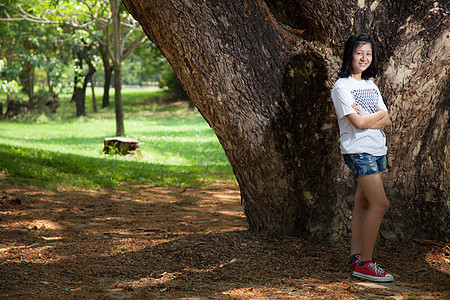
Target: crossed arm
(376, 120)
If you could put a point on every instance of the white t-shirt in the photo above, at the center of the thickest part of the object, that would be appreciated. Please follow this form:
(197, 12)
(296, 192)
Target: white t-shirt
(365, 94)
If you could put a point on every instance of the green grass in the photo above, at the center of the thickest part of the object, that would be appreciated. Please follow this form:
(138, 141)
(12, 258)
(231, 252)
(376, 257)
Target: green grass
(177, 147)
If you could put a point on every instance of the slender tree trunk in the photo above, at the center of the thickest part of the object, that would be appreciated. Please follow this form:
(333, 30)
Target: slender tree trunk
(260, 72)
(28, 73)
(79, 92)
(29, 79)
(117, 61)
(106, 86)
(108, 69)
(120, 128)
(81, 99)
(94, 100)
(49, 84)
(79, 95)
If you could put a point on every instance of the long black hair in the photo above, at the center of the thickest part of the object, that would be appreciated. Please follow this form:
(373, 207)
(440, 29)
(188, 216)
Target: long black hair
(350, 45)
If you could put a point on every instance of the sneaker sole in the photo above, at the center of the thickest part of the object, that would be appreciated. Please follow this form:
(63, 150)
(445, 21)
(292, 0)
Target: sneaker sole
(387, 278)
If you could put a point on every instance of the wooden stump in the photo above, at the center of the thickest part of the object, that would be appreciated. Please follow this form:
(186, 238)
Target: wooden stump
(120, 145)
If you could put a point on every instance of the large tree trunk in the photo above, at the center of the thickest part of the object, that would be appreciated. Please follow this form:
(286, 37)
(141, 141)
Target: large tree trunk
(260, 72)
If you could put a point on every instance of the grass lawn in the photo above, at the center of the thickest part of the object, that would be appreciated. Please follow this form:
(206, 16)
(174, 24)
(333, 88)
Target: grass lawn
(177, 147)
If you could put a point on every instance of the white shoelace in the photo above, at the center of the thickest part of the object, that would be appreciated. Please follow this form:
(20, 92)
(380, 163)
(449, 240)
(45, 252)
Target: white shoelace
(377, 269)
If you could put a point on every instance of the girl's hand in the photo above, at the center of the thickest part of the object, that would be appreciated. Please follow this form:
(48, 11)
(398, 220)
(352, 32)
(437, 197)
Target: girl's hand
(356, 108)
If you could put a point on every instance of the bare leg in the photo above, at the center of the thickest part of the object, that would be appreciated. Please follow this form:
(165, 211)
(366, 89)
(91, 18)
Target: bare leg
(360, 208)
(372, 187)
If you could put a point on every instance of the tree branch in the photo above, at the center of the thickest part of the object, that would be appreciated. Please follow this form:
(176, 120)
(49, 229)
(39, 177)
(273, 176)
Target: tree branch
(133, 46)
(128, 34)
(108, 45)
(24, 16)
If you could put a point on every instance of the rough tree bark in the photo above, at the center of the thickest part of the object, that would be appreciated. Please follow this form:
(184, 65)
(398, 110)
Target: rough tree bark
(260, 72)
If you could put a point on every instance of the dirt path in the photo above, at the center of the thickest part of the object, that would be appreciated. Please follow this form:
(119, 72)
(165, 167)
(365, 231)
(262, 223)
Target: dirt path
(144, 242)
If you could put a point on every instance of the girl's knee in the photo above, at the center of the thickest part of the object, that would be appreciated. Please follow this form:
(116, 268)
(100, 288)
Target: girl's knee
(361, 201)
(380, 206)
(362, 205)
(383, 206)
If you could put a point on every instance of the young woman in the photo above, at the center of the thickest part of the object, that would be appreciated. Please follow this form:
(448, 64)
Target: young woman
(361, 115)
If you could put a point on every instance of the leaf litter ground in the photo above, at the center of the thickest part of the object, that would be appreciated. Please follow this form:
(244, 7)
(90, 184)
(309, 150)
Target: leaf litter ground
(145, 242)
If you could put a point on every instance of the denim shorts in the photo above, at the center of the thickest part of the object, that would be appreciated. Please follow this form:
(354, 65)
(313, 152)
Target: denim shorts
(362, 164)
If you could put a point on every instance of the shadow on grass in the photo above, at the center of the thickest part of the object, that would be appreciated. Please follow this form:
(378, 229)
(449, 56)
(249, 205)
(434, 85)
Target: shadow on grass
(54, 169)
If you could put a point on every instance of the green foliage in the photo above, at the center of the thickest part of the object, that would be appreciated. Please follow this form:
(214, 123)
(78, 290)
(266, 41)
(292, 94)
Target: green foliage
(35, 48)
(54, 69)
(144, 65)
(7, 87)
(50, 47)
(170, 81)
(177, 148)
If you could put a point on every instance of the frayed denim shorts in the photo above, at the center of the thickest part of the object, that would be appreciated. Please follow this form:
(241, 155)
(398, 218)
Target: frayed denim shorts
(362, 164)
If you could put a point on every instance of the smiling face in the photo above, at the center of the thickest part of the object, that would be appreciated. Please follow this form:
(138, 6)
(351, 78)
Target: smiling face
(362, 58)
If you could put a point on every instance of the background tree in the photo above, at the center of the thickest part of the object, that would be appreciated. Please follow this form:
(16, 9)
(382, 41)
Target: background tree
(102, 19)
(260, 72)
(83, 52)
(23, 46)
(37, 55)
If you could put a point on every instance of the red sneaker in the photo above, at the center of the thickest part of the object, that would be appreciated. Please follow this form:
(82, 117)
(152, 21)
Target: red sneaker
(371, 271)
(353, 263)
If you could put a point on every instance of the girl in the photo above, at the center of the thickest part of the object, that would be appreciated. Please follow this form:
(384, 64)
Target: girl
(361, 114)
